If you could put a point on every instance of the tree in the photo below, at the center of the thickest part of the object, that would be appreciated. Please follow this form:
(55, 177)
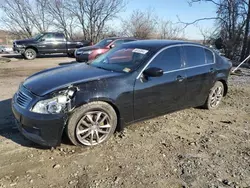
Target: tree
(140, 24)
(63, 20)
(40, 17)
(16, 17)
(24, 17)
(169, 30)
(246, 42)
(232, 21)
(92, 15)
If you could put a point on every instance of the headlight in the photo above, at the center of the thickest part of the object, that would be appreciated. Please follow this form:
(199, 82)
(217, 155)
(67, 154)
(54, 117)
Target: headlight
(87, 52)
(55, 105)
(78, 52)
(19, 46)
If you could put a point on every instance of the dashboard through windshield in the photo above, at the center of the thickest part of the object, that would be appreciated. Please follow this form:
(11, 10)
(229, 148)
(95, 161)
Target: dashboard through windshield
(122, 59)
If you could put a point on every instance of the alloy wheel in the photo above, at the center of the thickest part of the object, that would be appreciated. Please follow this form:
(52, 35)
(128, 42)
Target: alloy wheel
(30, 55)
(93, 128)
(216, 96)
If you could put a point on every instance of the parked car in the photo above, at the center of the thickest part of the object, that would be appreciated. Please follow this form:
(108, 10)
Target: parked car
(2, 49)
(133, 82)
(92, 52)
(47, 43)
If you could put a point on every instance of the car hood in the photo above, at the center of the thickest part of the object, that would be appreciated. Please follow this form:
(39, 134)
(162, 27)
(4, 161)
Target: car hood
(25, 41)
(47, 81)
(89, 48)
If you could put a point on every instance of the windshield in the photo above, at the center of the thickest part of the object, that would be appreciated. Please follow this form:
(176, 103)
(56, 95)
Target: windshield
(122, 59)
(37, 37)
(104, 42)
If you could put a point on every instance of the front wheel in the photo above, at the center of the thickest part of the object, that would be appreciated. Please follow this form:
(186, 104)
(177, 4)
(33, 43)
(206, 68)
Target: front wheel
(30, 54)
(92, 124)
(71, 55)
(215, 96)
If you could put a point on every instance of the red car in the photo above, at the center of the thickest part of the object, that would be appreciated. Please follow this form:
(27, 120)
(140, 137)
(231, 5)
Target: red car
(85, 54)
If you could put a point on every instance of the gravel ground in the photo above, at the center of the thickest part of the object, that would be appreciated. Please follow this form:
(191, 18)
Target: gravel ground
(189, 148)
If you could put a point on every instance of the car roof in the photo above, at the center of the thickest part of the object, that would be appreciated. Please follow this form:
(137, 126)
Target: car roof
(158, 44)
(116, 38)
(52, 33)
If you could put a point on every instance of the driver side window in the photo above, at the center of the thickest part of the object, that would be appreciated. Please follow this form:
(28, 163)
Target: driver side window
(118, 42)
(49, 37)
(168, 60)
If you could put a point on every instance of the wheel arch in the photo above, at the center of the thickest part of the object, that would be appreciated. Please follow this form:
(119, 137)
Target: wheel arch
(224, 82)
(120, 123)
(32, 47)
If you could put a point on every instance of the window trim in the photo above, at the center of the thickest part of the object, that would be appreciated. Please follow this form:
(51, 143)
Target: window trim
(185, 68)
(206, 56)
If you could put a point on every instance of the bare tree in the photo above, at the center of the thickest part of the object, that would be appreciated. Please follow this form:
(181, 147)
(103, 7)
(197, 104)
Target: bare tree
(92, 15)
(23, 17)
(39, 15)
(232, 18)
(16, 17)
(57, 9)
(140, 24)
(246, 41)
(169, 30)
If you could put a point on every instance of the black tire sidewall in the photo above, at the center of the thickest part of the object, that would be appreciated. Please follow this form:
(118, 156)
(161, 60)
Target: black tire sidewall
(33, 51)
(79, 113)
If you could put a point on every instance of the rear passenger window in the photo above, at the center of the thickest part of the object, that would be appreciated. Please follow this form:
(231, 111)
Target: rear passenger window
(209, 56)
(59, 36)
(195, 56)
(168, 60)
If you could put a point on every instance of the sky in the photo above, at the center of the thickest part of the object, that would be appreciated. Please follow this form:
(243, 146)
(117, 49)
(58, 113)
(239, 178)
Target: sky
(169, 9)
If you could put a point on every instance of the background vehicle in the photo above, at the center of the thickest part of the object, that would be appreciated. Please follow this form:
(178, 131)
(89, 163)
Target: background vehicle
(89, 53)
(4, 49)
(47, 43)
(133, 82)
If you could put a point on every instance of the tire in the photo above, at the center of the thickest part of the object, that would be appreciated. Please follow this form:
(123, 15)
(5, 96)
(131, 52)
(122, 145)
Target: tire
(215, 96)
(30, 54)
(71, 55)
(82, 128)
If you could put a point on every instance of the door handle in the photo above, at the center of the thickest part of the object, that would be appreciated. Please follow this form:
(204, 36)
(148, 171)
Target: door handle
(212, 70)
(180, 78)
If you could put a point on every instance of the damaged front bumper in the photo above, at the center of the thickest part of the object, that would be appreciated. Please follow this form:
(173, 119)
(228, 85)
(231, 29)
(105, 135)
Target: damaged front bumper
(43, 129)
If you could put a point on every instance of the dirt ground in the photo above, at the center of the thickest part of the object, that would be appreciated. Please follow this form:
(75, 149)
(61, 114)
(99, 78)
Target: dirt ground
(189, 148)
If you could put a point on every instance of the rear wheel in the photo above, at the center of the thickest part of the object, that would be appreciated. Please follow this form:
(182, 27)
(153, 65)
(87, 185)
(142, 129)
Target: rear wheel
(92, 124)
(30, 54)
(215, 96)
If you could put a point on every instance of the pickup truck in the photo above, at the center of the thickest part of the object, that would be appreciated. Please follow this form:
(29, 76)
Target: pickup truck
(47, 43)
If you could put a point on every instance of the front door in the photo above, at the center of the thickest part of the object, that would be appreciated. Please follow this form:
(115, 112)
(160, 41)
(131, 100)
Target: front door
(157, 95)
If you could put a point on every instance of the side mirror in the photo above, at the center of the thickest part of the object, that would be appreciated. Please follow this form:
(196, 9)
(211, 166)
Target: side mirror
(153, 72)
(112, 46)
(42, 39)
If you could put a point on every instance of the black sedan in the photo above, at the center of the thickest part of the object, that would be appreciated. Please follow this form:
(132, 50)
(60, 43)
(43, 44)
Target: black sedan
(133, 82)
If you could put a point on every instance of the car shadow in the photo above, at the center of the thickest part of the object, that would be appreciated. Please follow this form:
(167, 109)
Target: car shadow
(19, 56)
(8, 128)
(67, 63)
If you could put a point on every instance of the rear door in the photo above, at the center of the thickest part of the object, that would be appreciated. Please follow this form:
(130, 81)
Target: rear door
(157, 95)
(200, 70)
(60, 43)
